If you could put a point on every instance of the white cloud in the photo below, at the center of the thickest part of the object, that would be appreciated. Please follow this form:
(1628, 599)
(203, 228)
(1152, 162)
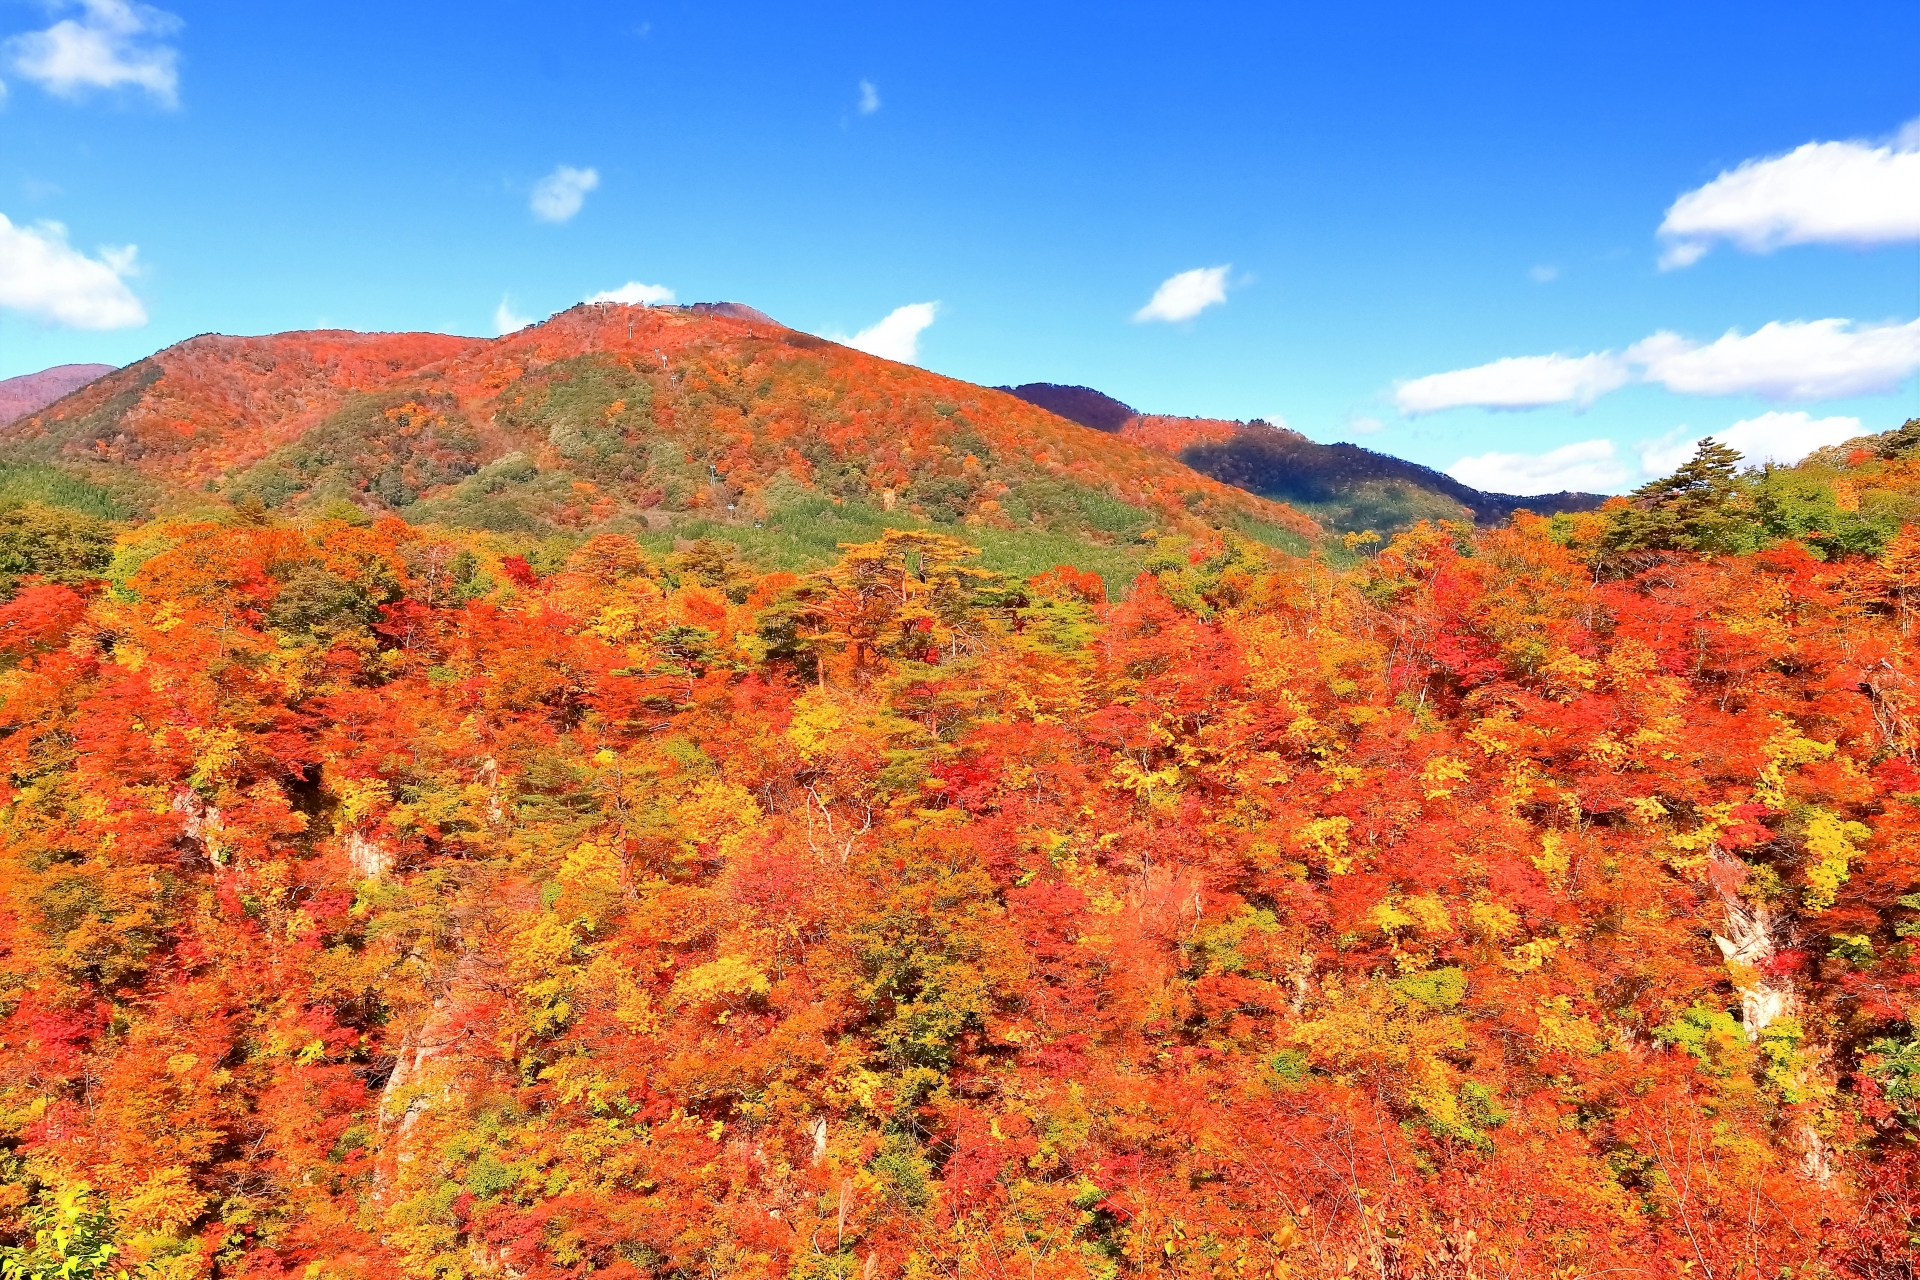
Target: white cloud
(1793, 360)
(45, 278)
(1787, 360)
(633, 293)
(898, 336)
(869, 98)
(1588, 466)
(1779, 438)
(1517, 382)
(114, 43)
(559, 195)
(1545, 273)
(505, 321)
(1365, 426)
(1822, 193)
(1186, 295)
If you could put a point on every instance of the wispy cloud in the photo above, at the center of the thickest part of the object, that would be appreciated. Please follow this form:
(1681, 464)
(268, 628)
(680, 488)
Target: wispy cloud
(1850, 193)
(633, 293)
(869, 98)
(46, 279)
(1545, 273)
(504, 319)
(112, 44)
(1587, 466)
(1795, 361)
(1186, 295)
(1779, 438)
(897, 337)
(559, 195)
(1517, 382)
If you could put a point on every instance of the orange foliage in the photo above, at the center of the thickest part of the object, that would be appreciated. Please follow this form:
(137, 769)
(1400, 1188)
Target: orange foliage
(379, 902)
(1169, 435)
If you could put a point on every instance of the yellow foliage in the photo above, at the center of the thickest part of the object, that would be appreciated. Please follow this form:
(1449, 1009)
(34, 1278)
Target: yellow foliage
(1441, 773)
(1787, 749)
(719, 980)
(1492, 921)
(1552, 859)
(1832, 843)
(1328, 838)
(362, 797)
(1531, 955)
(164, 1202)
(817, 722)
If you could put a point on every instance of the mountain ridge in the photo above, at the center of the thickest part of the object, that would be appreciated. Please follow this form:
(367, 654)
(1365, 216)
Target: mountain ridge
(1344, 485)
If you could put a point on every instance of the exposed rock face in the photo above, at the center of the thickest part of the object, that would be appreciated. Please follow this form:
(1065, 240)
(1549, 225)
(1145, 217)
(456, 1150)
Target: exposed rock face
(368, 858)
(32, 392)
(200, 823)
(1749, 942)
(1747, 945)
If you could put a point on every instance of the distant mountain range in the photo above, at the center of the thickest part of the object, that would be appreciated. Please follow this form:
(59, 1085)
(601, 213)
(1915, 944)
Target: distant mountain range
(1343, 486)
(31, 392)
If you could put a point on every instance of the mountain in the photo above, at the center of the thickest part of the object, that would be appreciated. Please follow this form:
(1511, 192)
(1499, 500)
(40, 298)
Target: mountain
(31, 392)
(663, 422)
(1344, 486)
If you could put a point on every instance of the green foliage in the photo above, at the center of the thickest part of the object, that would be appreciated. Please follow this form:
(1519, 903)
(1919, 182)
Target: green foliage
(1389, 506)
(1222, 945)
(904, 1171)
(595, 411)
(1289, 1067)
(53, 486)
(502, 497)
(1895, 1066)
(1700, 507)
(1436, 988)
(807, 533)
(1710, 1034)
(316, 605)
(393, 446)
(1064, 505)
(1710, 506)
(1206, 580)
(103, 426)
(928, 975)
(73, 1238)
(59, 545)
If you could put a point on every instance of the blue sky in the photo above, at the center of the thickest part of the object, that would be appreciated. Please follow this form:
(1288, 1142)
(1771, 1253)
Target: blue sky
(1394, 191)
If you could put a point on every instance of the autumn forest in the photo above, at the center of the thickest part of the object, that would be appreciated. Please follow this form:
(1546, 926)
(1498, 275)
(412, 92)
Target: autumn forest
(660, 795)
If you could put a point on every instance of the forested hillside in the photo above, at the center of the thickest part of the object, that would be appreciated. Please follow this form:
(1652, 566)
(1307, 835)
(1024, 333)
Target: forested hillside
(384, 898)
(663, 423)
